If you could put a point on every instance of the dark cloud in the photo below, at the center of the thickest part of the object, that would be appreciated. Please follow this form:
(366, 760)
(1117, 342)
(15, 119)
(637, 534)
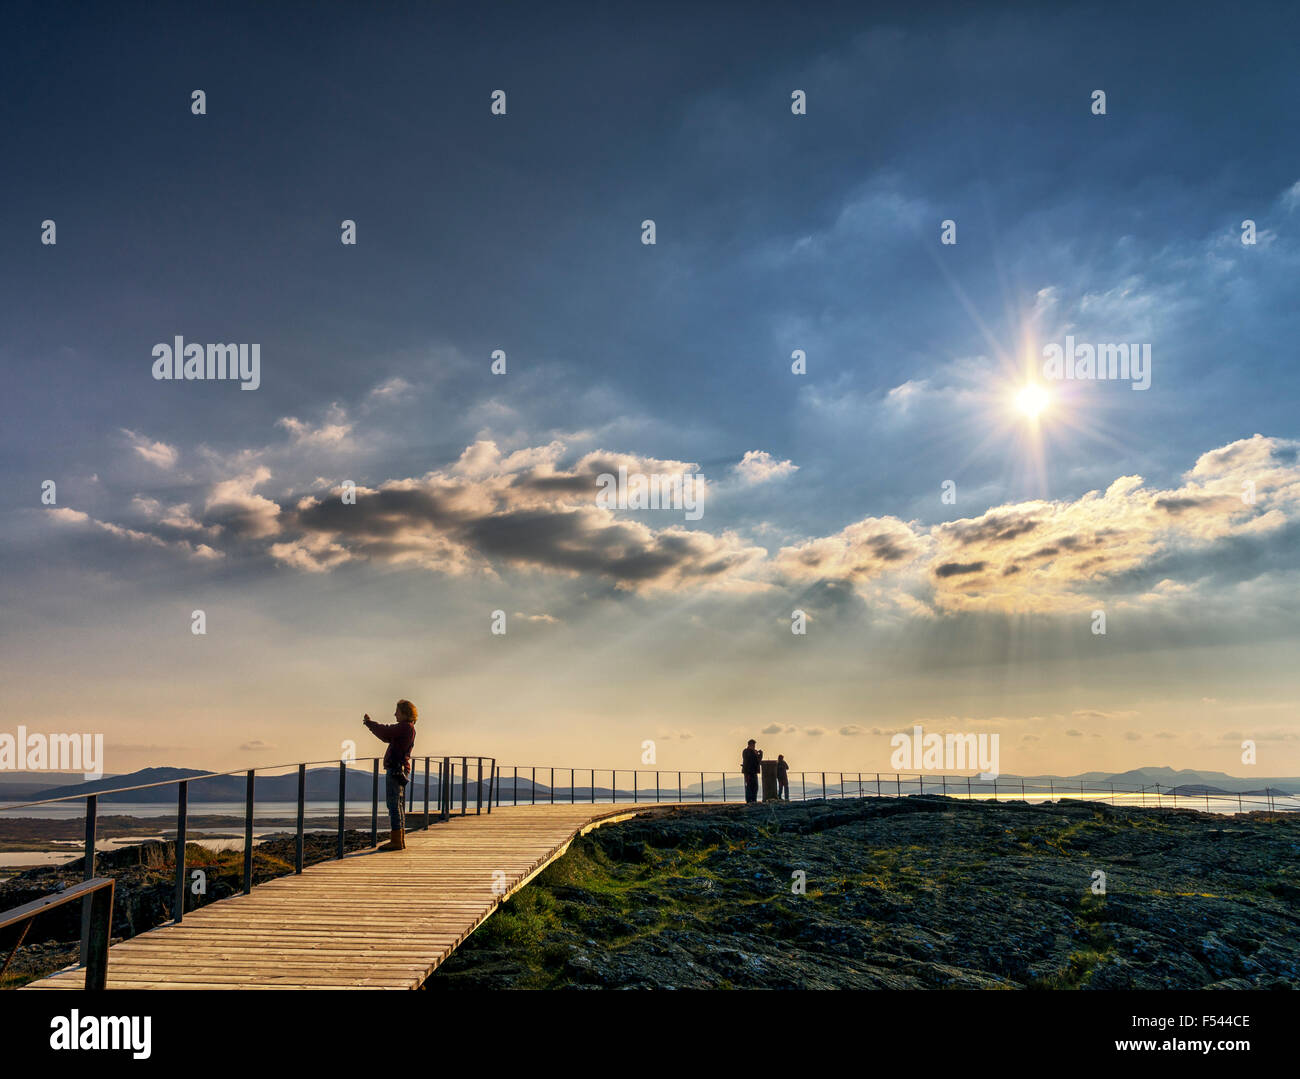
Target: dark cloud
(953, 569)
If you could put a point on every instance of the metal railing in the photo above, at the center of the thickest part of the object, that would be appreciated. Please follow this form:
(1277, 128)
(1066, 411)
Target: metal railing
(96, 895)
(446, 781)
(539, 785)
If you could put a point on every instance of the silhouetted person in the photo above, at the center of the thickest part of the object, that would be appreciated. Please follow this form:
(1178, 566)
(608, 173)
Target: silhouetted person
(400, 737)
(749, 762)
(782, 777)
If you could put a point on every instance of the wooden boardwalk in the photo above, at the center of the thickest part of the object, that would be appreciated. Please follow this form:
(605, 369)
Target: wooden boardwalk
(371, 920)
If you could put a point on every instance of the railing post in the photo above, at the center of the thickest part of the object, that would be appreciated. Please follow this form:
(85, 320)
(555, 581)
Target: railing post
(634, 792)
(823, 786)
(877, 784)
(478, 789)
(374, 804)
(248, 832)
(803, 782)
(657, 785)
(464, 785)
(426, 792)
(573, 790)
(533, 792)
(679, 787)
(99, 931)
(88, 871)
(724, 786)
(921, 776)
(302, 799)
(898, 785)
(492, 781)
(552, 786)
(445, 789)
(593, 786)
(343, 784)
(182, 804)
(701, 786)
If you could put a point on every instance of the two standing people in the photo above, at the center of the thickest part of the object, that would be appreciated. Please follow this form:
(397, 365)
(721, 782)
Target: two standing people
(751, 761)
(400, 737)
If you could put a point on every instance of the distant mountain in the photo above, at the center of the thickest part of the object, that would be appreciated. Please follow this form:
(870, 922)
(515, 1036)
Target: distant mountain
(1196, 781)
(18, 786)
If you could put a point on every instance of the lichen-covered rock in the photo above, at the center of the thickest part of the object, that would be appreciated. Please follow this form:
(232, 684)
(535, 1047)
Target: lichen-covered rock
(916, 893)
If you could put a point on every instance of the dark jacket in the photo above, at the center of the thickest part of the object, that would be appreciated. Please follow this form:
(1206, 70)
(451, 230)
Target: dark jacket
(749, 761)
(782, 769)
(400, 738)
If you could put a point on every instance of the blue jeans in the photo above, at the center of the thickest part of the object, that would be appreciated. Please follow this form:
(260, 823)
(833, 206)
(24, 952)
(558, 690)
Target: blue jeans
(395, 793)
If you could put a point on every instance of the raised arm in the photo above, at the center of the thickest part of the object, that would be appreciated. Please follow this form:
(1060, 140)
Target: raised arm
(383, 731)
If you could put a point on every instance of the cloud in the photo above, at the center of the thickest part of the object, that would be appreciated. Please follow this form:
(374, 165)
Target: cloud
(232, 505)
(201, 551)
(156, 453)
(491, 510)
(331, 434)
(392, 388)
(67, 516)
(863, 550)
(1291, 197)
(525, 509)
(1053, 556)
(759, 466)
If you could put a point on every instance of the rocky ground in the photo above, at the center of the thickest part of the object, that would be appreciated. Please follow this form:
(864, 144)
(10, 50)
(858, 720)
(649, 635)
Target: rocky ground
(917, 893)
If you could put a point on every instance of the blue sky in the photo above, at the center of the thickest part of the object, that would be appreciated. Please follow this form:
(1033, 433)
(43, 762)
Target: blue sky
(775, 232)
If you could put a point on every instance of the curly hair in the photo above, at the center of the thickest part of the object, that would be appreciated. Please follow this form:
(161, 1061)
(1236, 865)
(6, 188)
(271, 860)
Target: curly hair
(406, 711)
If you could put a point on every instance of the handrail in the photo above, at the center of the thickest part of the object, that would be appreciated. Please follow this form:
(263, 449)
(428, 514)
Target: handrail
(835, 785)
(197, 778)
(96, 896)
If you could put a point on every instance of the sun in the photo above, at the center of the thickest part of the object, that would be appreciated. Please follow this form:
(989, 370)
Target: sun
(1032, 399)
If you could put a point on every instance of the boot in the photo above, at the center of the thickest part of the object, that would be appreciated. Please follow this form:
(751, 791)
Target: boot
(396, 840)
